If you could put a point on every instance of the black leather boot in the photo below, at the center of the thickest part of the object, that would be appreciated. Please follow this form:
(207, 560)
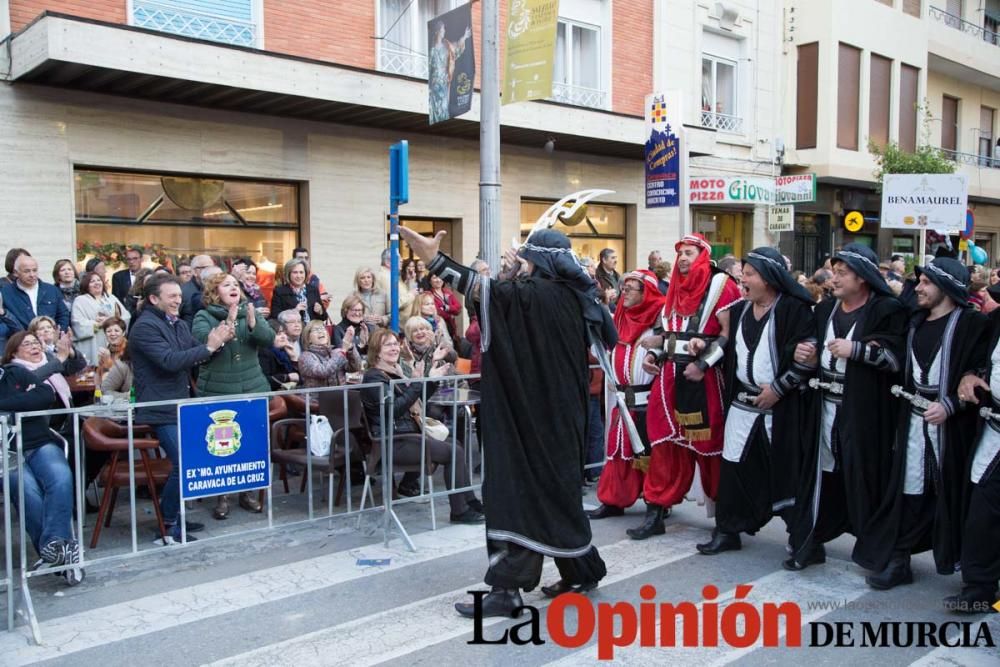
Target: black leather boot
(974, 599)
(563, 586)
(604, 511)
(720, 542)
(896, 573)
(651, 525)
(816, 556)
(498, 602)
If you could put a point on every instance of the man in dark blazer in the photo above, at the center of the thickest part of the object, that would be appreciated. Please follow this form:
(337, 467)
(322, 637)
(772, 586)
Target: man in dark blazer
(28, 297)
(121, 281)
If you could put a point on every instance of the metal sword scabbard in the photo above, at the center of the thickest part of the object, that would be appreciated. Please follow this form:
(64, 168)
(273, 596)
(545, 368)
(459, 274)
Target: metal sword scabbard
(986, 413)
(833, 387)
(915, 399)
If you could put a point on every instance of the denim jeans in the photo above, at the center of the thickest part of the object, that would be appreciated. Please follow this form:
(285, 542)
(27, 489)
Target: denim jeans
(48, 494)
(595, 437)
(170, 503)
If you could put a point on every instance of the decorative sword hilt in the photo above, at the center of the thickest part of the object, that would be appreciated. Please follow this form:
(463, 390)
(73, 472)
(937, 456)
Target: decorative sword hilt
(915, 399)
(832, 387)
(986, 413)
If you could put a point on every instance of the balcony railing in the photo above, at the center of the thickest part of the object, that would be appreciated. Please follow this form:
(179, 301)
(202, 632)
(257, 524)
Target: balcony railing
(959, 23)
(580, 96)
(722, 122)
(972, 159)
(167, 18)
(398, 61)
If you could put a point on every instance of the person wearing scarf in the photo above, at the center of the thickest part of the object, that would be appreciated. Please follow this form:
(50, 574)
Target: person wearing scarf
(685, 418)
(763, 442)
(537, 321)
(638, 310)
(852, 414)
(923, 505)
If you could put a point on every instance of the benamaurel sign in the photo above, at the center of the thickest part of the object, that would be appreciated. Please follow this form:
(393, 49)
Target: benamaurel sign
(925, 201)
(730, 190)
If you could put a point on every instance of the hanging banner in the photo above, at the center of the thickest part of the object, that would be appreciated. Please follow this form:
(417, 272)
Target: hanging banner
(531, 50)
(795, 188)
(730, 190)
(925, 201)
(451, 64)
(663, 151)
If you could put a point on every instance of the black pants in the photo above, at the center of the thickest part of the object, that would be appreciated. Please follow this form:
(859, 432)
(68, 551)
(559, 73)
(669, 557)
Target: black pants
(832, 521)
(406, 452)
(981, 534)
(915, 524)
(514, 566)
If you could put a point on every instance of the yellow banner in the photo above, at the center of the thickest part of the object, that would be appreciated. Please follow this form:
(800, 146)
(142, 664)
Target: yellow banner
(531, 47)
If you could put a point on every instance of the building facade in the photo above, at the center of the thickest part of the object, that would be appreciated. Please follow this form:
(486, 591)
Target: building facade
(248, 127)
(910, 71)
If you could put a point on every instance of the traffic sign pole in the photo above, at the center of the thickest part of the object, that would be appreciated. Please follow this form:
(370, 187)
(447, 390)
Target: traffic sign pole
(399, 193)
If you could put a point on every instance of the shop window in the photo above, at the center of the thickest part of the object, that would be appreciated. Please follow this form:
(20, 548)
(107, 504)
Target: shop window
(603, 227)
(729, 233)
(174, 217)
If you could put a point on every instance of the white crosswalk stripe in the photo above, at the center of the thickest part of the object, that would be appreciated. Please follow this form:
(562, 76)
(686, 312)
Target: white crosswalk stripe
(404, 630)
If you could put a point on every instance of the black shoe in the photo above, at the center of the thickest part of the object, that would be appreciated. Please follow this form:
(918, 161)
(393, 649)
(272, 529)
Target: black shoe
(468, 516)
(604, 511)
(972, 600)
(896, 573)
(499, 602)
(477, 505)
(651, 525)
(816, 557)
(720, 542)
(563, 586)
(408, 490)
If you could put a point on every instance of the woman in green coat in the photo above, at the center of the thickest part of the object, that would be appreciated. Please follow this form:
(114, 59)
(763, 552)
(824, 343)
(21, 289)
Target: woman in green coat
(235, 368)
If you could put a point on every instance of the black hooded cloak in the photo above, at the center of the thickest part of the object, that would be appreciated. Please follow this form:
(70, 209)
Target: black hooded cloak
(764, 482)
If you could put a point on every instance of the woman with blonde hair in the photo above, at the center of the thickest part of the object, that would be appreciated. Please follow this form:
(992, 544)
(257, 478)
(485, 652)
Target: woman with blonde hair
(297, 293)
(322, 364)
(425, 306)
(352, 315)
(376, 301)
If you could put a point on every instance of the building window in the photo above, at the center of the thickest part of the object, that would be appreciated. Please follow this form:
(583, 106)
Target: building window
(986, 136)
(949, 123)
(718, 95)
(603, 227)
(226, 21)
(908, 81)
(174, 217)
(576, 71)
(911, 7)
(848, 96)
(806, 95)
(879, 98)
(403, 34)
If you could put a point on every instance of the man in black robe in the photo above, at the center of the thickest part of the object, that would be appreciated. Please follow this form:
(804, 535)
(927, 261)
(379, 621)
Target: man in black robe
(763, 444)
(536, 330)
(981, 531)
(924, 503)
(852, 415)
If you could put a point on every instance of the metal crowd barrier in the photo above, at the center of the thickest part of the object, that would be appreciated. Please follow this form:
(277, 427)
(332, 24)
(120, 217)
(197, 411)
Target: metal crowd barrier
(125, 413)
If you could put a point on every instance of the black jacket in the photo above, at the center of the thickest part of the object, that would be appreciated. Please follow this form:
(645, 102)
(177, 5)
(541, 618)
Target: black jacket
(284, 299)
(163, 355)
(121, 283)
(16, 397)
(191, 304)
(406, 396)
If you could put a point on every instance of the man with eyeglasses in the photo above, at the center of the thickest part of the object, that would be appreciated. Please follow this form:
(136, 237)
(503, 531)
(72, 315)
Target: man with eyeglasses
(621, 479)
(853, 414)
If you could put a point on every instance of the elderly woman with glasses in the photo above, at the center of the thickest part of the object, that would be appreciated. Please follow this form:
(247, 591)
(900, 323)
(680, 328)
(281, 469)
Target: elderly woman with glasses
(352, 314)
(60, 354)
(325, 365)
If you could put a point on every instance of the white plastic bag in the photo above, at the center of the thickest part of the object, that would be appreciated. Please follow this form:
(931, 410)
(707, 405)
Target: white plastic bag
(320, 435)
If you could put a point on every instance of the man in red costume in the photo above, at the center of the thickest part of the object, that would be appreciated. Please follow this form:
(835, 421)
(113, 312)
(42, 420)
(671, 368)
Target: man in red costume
(638, 310)
(685, 418)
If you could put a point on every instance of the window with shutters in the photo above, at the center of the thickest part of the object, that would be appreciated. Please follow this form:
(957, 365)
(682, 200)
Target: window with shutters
(226, 21)
(908, 81)
(848, 96)
(806, 95)
(879, 99)
(987, 138)
(949, 123)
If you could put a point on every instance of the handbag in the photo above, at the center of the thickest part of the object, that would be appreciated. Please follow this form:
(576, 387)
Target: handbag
(320, 435)
(435, 429)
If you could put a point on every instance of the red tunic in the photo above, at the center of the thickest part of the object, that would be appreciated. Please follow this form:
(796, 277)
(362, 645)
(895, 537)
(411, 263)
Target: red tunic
(661, 421)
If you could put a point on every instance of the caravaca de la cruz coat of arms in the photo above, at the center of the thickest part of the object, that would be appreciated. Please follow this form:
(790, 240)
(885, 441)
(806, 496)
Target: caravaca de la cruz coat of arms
(223, 435)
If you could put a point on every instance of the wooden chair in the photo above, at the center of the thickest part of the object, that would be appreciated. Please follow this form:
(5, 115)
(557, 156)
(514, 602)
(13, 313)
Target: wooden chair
(104, 435)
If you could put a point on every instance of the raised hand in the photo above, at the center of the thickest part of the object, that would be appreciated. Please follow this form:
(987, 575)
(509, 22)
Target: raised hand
(423, 247)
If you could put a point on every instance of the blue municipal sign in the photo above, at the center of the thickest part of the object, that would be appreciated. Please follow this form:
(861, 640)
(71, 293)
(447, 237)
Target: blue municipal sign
(224, 447)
